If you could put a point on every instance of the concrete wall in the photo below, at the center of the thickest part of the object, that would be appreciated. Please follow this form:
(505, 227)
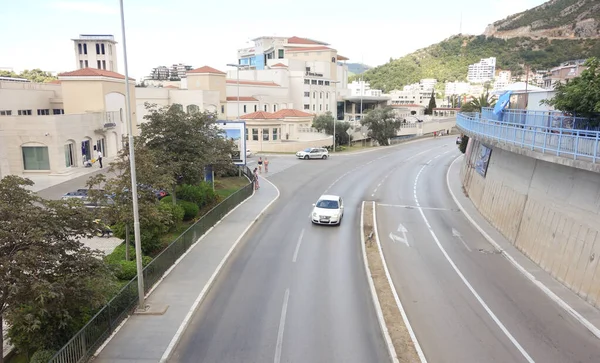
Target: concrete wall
(287, 147)
(550, 212)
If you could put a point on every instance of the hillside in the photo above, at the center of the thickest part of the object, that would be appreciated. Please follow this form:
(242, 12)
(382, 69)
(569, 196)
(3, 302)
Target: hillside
(449, 59)
(553, 19)
(357, 68)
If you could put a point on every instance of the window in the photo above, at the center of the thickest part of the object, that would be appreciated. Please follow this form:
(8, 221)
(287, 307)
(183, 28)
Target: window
(35, 158)
(99, 64)
(5, 112)
(306, 107)
(58, 111)
(265, 107)
(244, 108)
(327, 83)
(306, 94)
(85, 49)
(307, 81)
(110, 49)
(79, 48)
(255, 108)
(321, 95)
(314, 94)
(247, 135)
(43, 112)
(265, 134)
(308, 69)
(320, 107)
(103, 64)
(102, 48)
(274, 108)
(332, 59)
(86, 64)
(222, 108)
(320, 83)
(69, 160)
(327, 95)
(24, 112)
(314, 81)
(80, 64)
(254, 134)
(280, 53)
(97, 48)
(327, 107)
(275, 134)
(314, 107)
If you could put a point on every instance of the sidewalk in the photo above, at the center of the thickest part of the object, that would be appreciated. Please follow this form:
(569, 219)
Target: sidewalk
(45, 181)
(585, 313)
(145, 338)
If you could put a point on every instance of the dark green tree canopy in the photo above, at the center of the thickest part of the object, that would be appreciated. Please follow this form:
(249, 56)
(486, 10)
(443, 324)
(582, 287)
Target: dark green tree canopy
(383, 124)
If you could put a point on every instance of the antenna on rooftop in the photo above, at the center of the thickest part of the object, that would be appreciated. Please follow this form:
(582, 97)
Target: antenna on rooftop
(460, 26)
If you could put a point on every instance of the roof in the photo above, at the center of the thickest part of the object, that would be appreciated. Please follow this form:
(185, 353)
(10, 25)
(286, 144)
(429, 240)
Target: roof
(298, 40)
(93, 72)
(260, 115)
(342, 58)
(252, 83)
(288, 112)
(307, 49)
(170, 86)
(251, 99)
(329, 197)
(408, 105)
(279, 65)
(206, 69)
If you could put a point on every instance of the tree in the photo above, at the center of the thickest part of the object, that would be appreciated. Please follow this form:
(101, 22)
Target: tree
(581, 95)
(383, 124)
(476, 104)
(185, 143)
(325, 122)
(432, 104)
(50, 282)
(34, 75)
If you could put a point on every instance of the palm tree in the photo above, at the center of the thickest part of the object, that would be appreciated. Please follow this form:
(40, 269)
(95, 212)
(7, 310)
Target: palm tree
(476, 104)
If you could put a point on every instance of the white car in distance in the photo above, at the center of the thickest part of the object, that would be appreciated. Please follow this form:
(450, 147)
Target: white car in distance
(329, 209)
(248, 153)
(313, 153)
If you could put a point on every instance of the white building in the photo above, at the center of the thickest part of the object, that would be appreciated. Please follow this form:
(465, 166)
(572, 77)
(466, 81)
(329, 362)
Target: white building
(362, 88)
(414, 94)
(457, 88)
(483, 71)
(96, 51)
(428, 84)
(502, 80)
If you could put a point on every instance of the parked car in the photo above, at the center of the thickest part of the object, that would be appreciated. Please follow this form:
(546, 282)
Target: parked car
(329, 209)
(313, 153)
(82, 194)
(248, 153)
(458, 140)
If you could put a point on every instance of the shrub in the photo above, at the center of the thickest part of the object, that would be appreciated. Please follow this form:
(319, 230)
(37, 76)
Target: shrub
(201, 194)
(175, 211)
(190, 209)
(463, 144)
(42, 356)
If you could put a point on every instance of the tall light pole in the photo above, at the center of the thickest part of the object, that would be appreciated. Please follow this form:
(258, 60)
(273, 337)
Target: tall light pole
(335, 118)
(237, 66)
(134, 196)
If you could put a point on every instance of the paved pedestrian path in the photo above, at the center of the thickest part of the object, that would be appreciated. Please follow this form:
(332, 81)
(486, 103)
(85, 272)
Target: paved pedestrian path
(145, 338)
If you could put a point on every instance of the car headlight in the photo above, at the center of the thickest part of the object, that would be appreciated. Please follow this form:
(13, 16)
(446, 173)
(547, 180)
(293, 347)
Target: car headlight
(314, 215)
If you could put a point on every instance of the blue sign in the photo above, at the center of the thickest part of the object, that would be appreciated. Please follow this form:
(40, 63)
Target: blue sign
(208, 174)
(503, 101)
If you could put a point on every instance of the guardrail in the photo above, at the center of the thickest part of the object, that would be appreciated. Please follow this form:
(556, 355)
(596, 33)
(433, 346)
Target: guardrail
(565, 142)
(555, 119)
(83, 345)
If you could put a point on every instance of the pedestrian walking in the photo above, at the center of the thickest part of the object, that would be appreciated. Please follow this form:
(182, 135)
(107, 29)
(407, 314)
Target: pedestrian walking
(256, 186)
(260, 163)
(100, 158)
(266, 165)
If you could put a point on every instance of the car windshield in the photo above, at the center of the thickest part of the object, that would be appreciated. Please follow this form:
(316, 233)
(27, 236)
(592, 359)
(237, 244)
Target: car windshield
(328, 204)
(307, 150)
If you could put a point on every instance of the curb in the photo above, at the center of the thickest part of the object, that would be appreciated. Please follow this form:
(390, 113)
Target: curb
(583, 321)
(169, 351)
(378, 310)
(411, 332)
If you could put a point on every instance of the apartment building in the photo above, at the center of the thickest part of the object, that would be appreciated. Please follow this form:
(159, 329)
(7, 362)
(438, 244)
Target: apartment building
(457, 88)
(96, 51)
(483, 71)
(563, 73)
(502, 80)
(414, 94)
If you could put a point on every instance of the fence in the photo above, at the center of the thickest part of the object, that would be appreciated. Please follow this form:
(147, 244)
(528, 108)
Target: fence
(566, 142)
(97, 330)
(555, 119)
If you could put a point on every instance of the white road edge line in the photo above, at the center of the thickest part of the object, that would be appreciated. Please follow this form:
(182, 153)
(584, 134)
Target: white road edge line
(298, 246)
(586, 323)
(279, 345)
(166, 355)
(379, 312)
(164, 276)
(466, 282)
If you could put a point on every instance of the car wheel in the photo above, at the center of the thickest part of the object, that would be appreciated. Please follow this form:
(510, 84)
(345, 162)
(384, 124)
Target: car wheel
(324, 157)
(305, 157)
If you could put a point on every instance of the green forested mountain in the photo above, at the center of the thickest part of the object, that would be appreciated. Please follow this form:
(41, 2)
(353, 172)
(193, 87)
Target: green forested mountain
(449, 59)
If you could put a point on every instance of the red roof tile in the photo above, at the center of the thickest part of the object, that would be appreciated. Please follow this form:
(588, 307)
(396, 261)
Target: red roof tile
(298, 40)
(206, 69)
(288, 112)
(341, 57)
(252, 83)
(279, 65)
(93, 72)
(169, 86)
(307, 49)
(260, 115)
(250, 99)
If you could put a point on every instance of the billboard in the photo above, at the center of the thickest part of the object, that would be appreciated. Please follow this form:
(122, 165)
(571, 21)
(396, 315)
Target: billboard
(483, 159)
(236, 132)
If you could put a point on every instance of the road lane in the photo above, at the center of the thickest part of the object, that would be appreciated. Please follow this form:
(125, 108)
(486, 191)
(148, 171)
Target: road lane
(449, 322)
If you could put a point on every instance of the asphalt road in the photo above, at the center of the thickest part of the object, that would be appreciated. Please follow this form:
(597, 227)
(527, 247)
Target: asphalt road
(308, 279)
(491, 314)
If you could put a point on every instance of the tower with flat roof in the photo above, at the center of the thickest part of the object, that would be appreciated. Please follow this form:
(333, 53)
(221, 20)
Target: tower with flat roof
(96, 51)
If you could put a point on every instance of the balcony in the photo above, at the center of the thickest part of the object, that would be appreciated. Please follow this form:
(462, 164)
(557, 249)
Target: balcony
(547, 132)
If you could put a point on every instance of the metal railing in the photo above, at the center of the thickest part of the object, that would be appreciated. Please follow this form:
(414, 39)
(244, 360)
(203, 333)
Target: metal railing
(554, 119)
(83, 345)
(565, 142)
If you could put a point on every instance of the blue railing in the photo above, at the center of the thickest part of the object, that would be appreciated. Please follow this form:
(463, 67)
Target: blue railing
(560, 141)
(554, 119)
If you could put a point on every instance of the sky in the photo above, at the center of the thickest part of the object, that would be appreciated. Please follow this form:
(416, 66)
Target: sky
(38, 33)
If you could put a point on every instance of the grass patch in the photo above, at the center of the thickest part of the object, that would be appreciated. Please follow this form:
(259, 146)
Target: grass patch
(224, 187)
(17, 358)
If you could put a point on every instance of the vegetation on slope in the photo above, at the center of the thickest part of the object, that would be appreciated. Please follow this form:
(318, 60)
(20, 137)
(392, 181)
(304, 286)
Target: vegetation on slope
(34, 75)
(449, 60)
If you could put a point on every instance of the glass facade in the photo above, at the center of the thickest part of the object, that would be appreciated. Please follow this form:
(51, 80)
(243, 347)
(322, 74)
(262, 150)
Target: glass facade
(35, 158)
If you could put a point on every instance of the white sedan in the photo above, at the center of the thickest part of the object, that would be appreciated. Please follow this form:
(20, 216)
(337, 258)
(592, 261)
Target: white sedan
(329, 209)
(248, 153)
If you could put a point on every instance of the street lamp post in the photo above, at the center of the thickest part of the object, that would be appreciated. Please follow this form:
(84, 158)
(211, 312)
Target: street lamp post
(134, 196)
(237, 66)
(335, 118)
